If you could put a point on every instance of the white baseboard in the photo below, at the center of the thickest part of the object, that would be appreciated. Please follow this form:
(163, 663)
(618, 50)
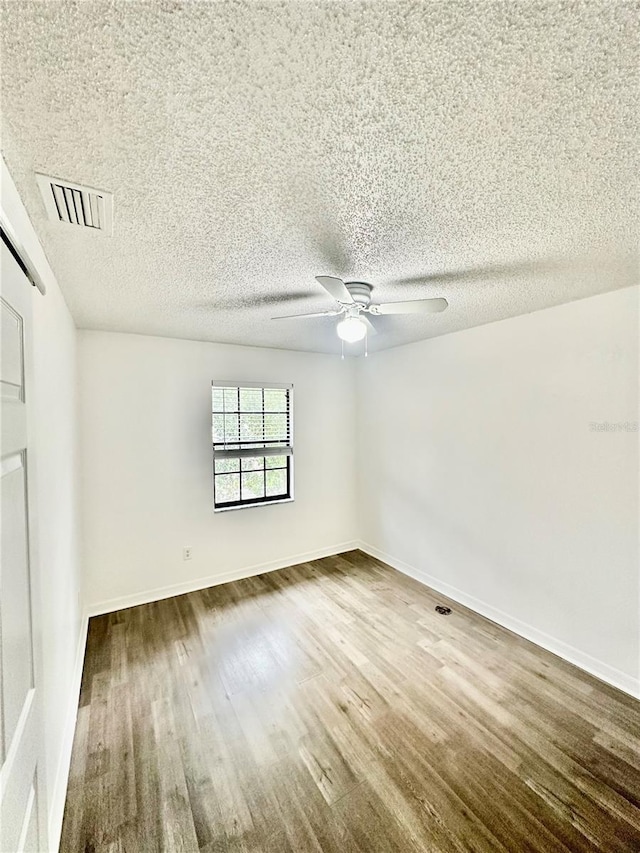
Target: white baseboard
(159, 593)
(603, 671)
(59, 793)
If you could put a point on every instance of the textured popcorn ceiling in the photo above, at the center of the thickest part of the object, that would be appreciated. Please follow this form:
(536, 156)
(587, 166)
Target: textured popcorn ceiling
(251, 146)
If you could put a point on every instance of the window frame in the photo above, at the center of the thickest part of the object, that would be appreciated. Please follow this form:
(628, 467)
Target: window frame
(274, 449)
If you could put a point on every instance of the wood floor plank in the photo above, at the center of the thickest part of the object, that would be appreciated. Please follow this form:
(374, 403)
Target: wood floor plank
(327, 707)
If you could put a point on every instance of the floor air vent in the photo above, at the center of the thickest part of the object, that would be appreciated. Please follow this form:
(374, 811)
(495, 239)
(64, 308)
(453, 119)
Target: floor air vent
(77, 205)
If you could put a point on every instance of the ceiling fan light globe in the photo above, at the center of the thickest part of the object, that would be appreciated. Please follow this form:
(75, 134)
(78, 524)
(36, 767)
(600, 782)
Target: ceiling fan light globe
(351, 329)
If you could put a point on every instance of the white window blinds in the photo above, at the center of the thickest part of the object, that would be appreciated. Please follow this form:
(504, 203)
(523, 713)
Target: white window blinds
(251, 420)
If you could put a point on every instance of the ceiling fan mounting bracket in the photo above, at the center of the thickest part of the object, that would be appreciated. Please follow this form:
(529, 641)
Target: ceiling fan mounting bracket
(360, 292)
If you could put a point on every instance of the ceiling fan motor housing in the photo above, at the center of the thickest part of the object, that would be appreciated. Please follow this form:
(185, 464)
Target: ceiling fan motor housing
(360, 291)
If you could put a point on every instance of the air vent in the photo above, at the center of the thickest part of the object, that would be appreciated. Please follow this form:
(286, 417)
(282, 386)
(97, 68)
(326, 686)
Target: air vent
(77, 205)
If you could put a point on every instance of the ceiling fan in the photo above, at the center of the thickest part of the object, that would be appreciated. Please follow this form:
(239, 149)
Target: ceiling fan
(353, 300)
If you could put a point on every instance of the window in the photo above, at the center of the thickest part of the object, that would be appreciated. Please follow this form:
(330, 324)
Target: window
(252, 444)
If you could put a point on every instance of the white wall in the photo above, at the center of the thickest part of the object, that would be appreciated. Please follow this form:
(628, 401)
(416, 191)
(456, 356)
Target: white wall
(479, 472)
(146, 465)
(53, 440)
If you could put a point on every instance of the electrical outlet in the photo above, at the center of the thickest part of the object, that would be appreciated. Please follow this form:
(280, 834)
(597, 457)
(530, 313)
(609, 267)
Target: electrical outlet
(186, 553)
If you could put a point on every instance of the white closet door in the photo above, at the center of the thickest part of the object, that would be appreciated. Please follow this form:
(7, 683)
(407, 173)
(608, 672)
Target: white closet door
(22, 743)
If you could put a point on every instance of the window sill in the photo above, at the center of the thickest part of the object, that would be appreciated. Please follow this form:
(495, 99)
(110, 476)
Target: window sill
(253, 506)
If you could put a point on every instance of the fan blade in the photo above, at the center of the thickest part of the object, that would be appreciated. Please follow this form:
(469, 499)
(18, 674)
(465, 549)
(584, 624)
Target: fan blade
(304, 316)
(336, 287)
(276, 298)
(255, 301)
(371, 329)
(530, 269)
(415, 306)
(489, 272)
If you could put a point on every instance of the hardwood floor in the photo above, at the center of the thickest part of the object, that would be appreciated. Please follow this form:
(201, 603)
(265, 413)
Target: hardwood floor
(328, 707)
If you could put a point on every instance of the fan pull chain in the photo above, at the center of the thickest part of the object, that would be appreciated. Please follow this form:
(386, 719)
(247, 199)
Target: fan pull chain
(342, 348)
(366, 348)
